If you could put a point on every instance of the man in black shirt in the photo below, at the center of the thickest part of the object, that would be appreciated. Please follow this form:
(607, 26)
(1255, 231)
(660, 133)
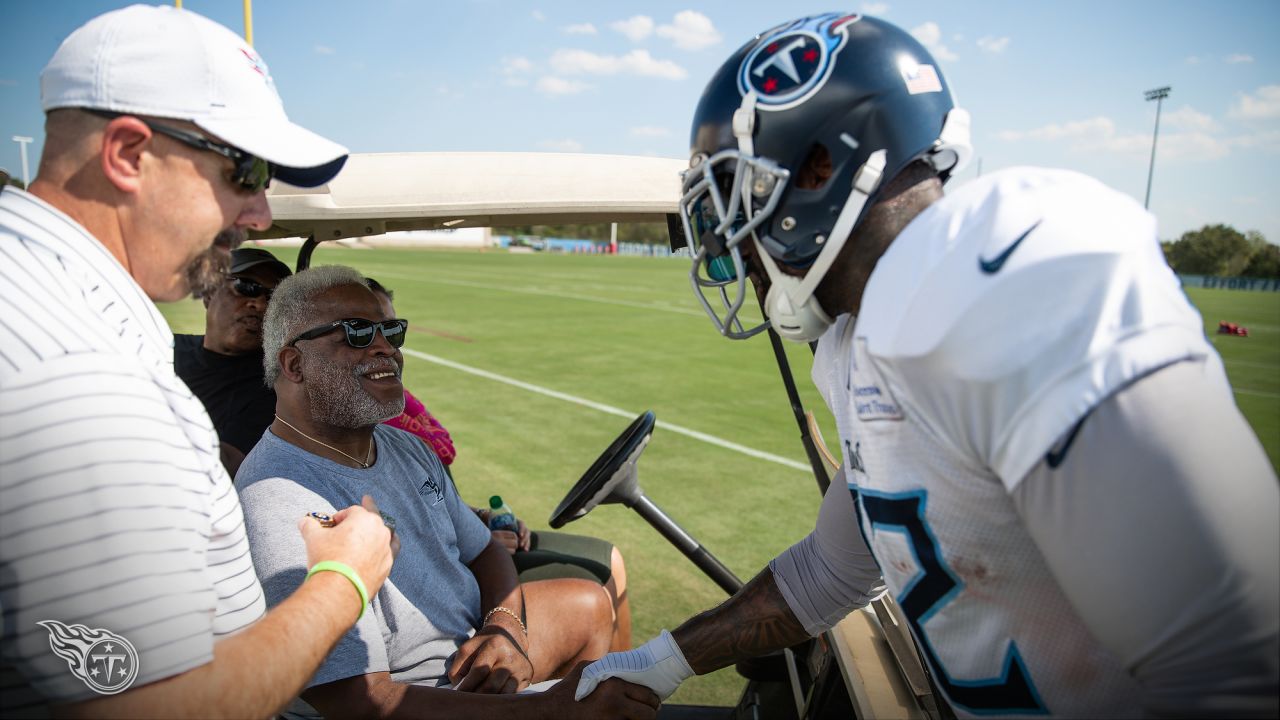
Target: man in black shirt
(223, 367)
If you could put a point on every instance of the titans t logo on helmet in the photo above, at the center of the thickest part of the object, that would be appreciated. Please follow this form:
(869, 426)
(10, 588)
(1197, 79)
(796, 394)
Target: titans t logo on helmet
(794, 61)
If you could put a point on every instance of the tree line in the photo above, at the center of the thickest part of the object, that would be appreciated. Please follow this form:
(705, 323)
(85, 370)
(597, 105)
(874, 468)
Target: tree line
(1219, 250)
(650, 233)
(1223, 251)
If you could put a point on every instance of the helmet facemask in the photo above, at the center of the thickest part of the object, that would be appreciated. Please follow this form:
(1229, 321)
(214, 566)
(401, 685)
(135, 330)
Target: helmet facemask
(727, 197)
(717, 226)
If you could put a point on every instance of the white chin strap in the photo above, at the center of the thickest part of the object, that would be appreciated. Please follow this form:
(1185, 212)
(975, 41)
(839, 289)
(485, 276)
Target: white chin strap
(793, 310)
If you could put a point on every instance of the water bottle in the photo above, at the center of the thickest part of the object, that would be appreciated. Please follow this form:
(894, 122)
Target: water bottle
(500, 516)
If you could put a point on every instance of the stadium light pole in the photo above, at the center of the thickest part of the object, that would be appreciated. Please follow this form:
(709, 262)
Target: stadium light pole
(1159, 94)
(22, 142)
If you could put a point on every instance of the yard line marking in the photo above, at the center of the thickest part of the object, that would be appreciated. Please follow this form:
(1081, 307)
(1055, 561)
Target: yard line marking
(1259, 393)
(562, 296)
(710, 439)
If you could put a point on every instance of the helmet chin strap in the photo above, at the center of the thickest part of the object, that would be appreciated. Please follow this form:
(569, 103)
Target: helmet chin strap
(793, 310)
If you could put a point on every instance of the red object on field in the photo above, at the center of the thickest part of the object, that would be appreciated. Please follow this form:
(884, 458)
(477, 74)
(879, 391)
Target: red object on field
(1230, 328)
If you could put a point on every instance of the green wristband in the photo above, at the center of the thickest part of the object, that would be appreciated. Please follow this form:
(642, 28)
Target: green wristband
(346, 571)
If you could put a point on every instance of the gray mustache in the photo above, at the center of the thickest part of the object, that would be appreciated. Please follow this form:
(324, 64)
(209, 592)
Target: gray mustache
(385, 364)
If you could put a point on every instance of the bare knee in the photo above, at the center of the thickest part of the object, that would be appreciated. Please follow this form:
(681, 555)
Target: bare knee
(582, 614)
(598, 605)
(617, 572)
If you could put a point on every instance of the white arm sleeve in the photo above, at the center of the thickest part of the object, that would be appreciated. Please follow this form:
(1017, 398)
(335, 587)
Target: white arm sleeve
(1162, 525)
(830, 572)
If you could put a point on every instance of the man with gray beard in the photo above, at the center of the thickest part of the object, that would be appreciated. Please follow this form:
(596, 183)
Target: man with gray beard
(452, 612)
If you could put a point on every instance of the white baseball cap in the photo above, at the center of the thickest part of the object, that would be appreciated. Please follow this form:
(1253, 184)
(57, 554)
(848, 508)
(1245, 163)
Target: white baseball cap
(171, 63)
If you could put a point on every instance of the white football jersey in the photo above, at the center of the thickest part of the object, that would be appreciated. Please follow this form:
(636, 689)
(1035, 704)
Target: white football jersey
(989, 329)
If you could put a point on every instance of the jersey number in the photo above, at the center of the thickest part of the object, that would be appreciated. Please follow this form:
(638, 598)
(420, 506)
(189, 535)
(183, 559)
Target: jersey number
(928, 592)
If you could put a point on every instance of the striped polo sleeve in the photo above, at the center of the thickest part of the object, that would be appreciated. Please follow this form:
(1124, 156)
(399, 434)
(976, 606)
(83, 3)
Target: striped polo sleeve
(115, 512)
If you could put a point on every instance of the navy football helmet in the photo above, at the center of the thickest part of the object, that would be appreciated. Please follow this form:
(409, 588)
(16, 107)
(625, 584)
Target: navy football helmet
(859, 96)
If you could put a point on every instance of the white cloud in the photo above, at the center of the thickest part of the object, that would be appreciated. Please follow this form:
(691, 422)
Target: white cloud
(690, 30)
(635, 28)
(878, 9)
(516, 65)
(552, 85)
(1092, 127)
(1099, 135)
(565, 145)
(930, 35)
(636, 62)
(1264, 104)
(538, 15)
(1188, 118)
(324, 50)
(515, 71)
(1237, 58)
(651, 131)
(1266, 141)
(580, 29)
(8, 82)
(1194, 59)
(1192, 146)
(994, 45)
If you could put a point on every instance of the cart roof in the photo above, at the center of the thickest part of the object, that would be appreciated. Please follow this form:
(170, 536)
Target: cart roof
(382, 192)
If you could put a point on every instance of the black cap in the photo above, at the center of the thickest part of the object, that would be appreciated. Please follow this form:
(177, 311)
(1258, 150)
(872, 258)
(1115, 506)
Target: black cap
(245, 258)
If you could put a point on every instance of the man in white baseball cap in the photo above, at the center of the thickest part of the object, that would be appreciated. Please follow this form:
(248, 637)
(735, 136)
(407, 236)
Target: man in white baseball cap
(125, 575)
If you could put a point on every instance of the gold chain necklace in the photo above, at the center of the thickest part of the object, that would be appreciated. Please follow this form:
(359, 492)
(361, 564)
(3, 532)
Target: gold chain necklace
(362, 463)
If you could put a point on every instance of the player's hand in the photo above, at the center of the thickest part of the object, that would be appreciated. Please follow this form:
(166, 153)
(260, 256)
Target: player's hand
(614, 699)
(658, 665)
(359, 539)
(494, 660)
(524, 534)
(513, 541)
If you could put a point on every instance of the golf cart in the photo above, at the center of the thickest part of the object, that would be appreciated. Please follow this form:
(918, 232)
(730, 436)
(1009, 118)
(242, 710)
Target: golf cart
(868, 665)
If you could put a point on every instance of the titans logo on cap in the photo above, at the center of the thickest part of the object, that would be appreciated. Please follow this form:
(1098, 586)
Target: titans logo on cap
(793, 62)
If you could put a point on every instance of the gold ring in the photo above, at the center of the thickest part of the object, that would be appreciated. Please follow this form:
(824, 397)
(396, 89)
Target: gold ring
(324, 520)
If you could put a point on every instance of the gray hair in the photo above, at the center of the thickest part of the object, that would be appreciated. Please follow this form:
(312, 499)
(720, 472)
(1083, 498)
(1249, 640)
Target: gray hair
(290, 311)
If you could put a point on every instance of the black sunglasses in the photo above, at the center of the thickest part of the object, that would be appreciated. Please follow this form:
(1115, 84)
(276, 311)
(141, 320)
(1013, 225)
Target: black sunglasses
(361, 332)
(251, 173)
(244, 287)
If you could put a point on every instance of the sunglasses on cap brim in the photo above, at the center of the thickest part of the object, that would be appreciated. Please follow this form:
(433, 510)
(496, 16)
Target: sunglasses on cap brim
(360, 332)
(250, 173)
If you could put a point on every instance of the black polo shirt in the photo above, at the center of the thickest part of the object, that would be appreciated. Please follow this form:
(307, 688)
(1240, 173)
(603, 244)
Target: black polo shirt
(230, 386)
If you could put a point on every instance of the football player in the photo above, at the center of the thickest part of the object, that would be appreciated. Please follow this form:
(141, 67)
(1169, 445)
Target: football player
(1043, 460)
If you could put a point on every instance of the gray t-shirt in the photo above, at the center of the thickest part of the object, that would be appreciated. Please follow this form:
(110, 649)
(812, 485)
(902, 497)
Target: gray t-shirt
(431, 602)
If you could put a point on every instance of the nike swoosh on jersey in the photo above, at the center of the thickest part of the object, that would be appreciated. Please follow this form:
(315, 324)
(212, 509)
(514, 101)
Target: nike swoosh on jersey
(991, 267)
(1058, 453)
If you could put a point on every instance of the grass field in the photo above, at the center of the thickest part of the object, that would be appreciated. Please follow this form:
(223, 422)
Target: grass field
(626, 335)
(1253, 363)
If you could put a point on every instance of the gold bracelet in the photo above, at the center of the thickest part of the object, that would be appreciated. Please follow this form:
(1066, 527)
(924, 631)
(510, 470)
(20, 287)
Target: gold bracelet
(508, 611)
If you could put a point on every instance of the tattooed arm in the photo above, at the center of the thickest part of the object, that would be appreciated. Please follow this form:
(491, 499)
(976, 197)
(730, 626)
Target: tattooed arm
(753, 622)
(804, 591)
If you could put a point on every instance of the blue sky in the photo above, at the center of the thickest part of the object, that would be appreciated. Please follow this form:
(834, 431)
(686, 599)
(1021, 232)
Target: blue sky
(1048, 83)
